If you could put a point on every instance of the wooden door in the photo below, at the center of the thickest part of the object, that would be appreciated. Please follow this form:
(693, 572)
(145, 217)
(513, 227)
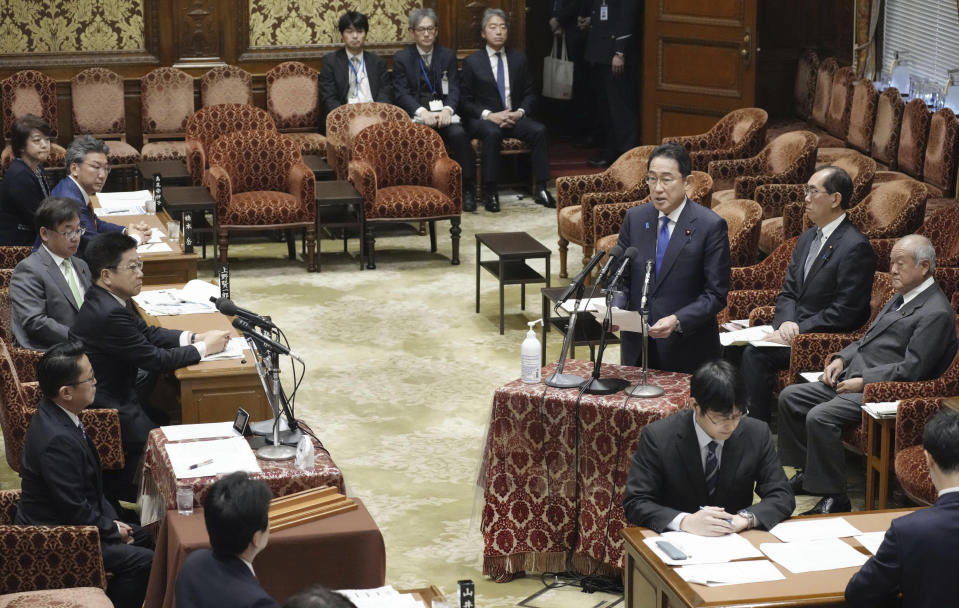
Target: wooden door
(699, 63)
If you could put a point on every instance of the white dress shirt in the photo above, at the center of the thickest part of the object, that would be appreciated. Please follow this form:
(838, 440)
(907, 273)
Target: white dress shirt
(509, 95)
(363, 93)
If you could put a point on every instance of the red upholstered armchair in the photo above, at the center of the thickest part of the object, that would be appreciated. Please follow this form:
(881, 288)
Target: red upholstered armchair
(167, 100)
(941, 227)
(349, 119)
(756, 285)
(788, 159)
(862, 118)
(910, 464)
(739, 134)
(840, 106)
(11, 255)
(404, 174)
(578, 195)
(30, 92)
(226, 84)
(885, 133)
(823, 93)
(208, 124)
(913, 138)
(259, 181)
(293, 100)
(49, 565)
(98, 109)
(743, 219)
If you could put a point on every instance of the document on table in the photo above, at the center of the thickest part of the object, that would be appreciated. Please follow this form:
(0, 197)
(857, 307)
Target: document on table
(814, 555)
(380, 597)
(212, 457)
(871, 540)
(587, 304)
(154, 248)
(703, 549)
(627, 320)
(750, 335)
(734, 573)
(234, 350)
(813, 529)
(193, 299)
(123, 203)
(811, 376)
(208, 430)
(881, 409)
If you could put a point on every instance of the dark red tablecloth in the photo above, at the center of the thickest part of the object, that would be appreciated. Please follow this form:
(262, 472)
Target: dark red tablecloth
(532, 519)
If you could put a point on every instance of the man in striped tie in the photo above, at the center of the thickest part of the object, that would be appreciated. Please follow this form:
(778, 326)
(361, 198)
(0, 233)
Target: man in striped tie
(697, 470)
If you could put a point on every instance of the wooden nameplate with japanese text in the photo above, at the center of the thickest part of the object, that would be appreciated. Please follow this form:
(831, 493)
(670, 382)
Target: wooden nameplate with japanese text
(306, 506)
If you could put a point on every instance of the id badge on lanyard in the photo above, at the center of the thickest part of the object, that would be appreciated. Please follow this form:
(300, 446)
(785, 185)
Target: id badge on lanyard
(604, 12)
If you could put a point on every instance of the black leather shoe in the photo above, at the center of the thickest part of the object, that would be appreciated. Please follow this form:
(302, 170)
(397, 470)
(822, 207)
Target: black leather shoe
(469, 201)
(491, 202)
(544, 198)
(598, 163)
(796, 481)
(833, 503)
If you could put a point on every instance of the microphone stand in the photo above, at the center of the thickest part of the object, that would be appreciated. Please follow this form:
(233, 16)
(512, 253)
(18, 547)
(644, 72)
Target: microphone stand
(283, 440)
(604, 386)
(643, 389)
(558, 379)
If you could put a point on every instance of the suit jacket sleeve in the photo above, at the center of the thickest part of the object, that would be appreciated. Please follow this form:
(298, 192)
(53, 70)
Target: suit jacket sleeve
(469, 105)
(877, 582)
(152, 348)
(331, 98)
(645, 485)
(525, 80)
(776, 499)
(28, 298)
(626, 25)
(702, 311)
(403, 83)
(61, 469)
(384, 93)
(452, 74)
(787, 302)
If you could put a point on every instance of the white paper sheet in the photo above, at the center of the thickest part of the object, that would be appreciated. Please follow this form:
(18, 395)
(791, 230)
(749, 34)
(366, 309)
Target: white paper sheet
(744, 336)
(122, 200)
(234, 350)
(208, 430)
(881, 409)
(224, 456)
(716, 575)
(199, 291)
(380, 597)
(589, 304)
(813, 529)
(814, 555)
(703, 549)
(871, 540)
(163, 302)
(626, 320)
(156, 235)
(154, 248)
(811, 376)
(128, 210)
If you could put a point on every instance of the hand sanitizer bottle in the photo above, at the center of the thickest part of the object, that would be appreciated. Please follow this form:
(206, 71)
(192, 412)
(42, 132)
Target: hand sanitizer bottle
(530, 354)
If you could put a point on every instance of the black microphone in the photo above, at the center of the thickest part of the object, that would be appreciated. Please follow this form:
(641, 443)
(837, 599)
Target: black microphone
(227, 307)
(649, 271)
(578, 281)
(630, 254)
(614, 252)
(248, 330)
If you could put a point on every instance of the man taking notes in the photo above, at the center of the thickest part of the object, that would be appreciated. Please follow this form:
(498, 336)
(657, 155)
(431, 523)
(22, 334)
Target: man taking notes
(696, 470)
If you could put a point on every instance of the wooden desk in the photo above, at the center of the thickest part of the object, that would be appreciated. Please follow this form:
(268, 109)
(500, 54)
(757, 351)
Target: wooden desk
(651, 583)
(210, 391)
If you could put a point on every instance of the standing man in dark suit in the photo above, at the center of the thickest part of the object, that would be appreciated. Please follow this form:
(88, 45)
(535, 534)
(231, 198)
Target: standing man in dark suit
(497, 98)
(236, 513)
(119, 343)
(612, 49)
(827, 287)
(710, 455)
(689, 245)
(427, 85)
(87, 172)
(61, 475)
(920, 549)
(46, 290)
(566, 18)
(352, 75)
(912, 338)
(24, 183)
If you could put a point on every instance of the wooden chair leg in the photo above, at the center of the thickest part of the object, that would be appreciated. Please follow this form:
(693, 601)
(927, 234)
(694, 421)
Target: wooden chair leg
(563, 248)
(290, 244)
(312, 258)
(370, 253)
(422, 228)
(432, 236)
(587, 256)
(455, 231)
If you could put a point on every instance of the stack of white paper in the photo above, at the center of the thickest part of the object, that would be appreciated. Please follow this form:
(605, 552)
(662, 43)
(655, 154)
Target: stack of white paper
(703, 549)
(123, 203)
(882, 409)
(814, 555)
(381, 597)
(161, 302)
(813, 529)
(208, 430)
(588, 304)
(154, 248)
(871, 540)
(626, 320)
(714, 575)
(234, 350)
(750, 335)
(811, 376)
(213, 457)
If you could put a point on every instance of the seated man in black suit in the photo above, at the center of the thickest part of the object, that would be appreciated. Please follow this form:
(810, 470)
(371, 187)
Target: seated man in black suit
(427, 85)
(352, 75)
(119, 343)
(827, 287)
(236, 512)
(712, 454)
(61, 475)
(497, 96)
(917, 555)
(912, 338)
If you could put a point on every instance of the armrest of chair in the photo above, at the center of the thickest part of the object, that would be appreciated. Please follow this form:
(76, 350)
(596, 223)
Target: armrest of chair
(810, 351)
(25, 362)
(448, 179)
(591, 200)
(103, 427)
(883, 248)
(741, 302)
(758, 276)
(195, 161)
(732, 168)
(219, 184)
(911, 419)
(608, 219)
(50, 557)
(570, 188)
(896, 391)
(337, 156)
(363, 178)
(301, 183)
(701, 158)
(762, 315)
(774, 198)
(745, 186)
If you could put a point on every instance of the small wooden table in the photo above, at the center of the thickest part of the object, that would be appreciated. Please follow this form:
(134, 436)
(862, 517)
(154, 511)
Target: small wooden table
(512, 250)
(879, 443)
(190, 203)
(339, 206)
(171, 172)
(322, 171)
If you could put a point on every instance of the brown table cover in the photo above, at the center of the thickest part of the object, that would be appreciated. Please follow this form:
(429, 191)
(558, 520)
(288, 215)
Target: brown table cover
(530, 521)
(343, 551)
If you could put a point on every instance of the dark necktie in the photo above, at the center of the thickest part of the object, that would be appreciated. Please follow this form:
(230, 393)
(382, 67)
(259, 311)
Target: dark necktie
(712, 468)
(662, 242)
(896, 303)
(501, 79)
(83, 431)
(813, 252)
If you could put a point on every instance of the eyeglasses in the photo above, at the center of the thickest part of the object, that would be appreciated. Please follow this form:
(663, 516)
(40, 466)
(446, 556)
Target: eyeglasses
(132, 266)
(666, 180)
(98, 168)
(728, 418)
(73, 234)
(425, 29)
(92, 378)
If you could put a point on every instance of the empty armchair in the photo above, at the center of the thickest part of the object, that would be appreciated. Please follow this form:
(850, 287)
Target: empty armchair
(758, 284)
(208, 124)
(862, 120)
(942, 228)
(349, 119)
(913, 139)
(739, 134)
(167, 99)
(788, 159)
(404, 174)
(823, 93)
(743, 219)
(885, 133)
(226, 84)
(293, 100)
(804, 93)
(98, 110)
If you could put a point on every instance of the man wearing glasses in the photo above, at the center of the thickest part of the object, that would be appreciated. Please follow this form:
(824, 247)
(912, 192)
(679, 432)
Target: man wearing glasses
(119, 343)
(87, 172)
(696, 471)
(46, 290)
(827, 287)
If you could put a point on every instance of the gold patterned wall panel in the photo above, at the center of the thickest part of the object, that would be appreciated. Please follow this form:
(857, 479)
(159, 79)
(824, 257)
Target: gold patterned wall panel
(70, 26)
(281, 23)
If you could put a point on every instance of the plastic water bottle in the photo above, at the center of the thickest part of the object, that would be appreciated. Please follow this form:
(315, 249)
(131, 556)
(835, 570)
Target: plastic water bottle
(531, 372)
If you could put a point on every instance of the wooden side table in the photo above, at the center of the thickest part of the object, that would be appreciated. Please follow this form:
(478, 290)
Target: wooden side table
(588, 330)
(339, 206)
(879, 438)
(512, 250)
(189, 203)
(322, 171)
(171, 172)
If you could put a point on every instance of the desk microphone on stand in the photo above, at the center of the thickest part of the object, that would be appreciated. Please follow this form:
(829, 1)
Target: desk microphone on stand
(643, 389)
(608, 386)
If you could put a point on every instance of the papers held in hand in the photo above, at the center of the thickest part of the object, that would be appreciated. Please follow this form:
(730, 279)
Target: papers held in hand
(626, 320)
(750, 335)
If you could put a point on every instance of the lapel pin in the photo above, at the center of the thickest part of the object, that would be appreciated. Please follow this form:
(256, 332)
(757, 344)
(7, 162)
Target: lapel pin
(647, 225)
(688, 232)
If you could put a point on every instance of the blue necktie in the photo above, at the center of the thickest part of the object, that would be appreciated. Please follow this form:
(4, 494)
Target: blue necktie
(712, 468)
(501, 79)
(662, 242)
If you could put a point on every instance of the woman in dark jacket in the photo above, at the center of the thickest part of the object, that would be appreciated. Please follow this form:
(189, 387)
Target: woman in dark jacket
(24, 184)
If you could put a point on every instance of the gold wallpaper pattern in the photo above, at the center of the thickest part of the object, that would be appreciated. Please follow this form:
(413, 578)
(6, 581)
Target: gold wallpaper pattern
(70, 26)
(313, 22)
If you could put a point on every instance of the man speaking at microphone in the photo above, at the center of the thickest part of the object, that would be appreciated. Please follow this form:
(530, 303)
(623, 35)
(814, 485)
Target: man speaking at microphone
(689, 247)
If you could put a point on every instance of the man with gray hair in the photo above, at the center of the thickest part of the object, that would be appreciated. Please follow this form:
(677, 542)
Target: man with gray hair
(912, 338)
(87, 171)
(426, 84)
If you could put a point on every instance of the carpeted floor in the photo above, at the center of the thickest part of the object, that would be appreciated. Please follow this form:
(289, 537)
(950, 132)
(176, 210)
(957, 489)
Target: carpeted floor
(401, 371)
